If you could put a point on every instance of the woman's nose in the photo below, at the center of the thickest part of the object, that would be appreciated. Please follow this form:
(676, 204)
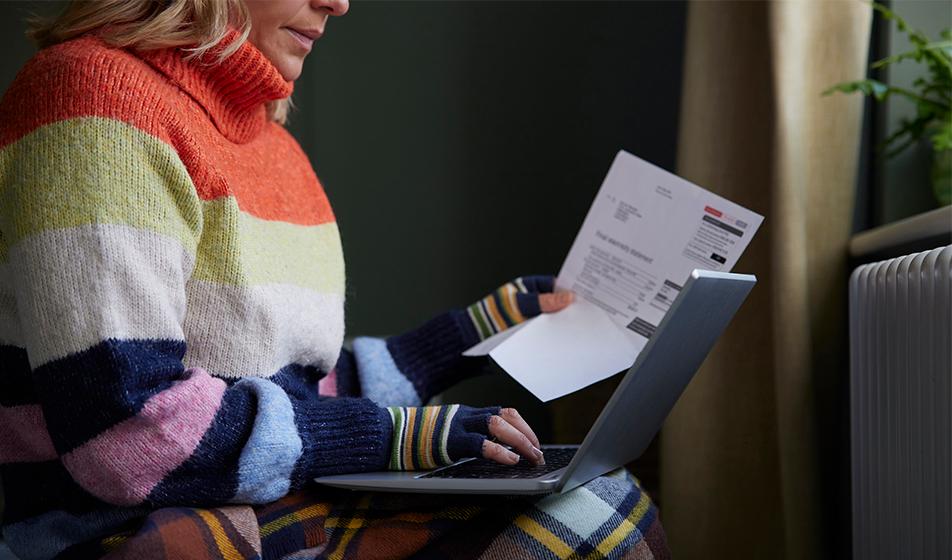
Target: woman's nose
(332, 7)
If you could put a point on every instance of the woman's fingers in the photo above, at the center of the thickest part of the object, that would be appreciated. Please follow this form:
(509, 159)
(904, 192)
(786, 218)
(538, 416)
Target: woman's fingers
(512, 416)
(505, 433)
(495, 452)
(550, 303)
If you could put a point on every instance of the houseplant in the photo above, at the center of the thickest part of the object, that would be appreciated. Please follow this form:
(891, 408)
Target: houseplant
(931, 94)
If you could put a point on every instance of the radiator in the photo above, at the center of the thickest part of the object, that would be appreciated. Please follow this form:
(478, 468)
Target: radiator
(900, 395)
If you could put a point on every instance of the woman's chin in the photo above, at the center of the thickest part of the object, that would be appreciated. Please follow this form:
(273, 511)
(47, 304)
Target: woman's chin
(290, 68)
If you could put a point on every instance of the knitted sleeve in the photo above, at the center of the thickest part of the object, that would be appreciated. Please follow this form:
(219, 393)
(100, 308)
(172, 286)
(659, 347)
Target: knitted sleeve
(408, 369)
(100, 225)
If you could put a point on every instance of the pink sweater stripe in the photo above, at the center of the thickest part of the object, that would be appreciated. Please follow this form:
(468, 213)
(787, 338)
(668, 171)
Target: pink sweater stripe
(327, 386)
(124, 464)
(23, 435)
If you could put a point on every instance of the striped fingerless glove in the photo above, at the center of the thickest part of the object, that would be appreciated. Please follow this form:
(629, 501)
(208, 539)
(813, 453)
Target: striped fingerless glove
(426, 437)
(511, 304)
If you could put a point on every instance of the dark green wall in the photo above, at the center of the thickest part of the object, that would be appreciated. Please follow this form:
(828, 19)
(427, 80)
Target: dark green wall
(15, 48)
(462, 142)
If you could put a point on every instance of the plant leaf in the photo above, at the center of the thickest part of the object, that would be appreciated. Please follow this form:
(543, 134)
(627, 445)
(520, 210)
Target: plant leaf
(931, 93)
(942, 139)
(875, 88)
(941, 48)
(912, 130)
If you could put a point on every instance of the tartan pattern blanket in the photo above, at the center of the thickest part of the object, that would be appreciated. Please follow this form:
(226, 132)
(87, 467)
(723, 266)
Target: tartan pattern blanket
(610, 517)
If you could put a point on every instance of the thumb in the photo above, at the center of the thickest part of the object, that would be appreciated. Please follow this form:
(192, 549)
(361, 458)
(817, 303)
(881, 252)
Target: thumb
(550, 303)
(531, 305)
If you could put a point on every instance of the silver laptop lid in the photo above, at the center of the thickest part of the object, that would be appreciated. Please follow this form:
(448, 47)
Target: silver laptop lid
(664, 368)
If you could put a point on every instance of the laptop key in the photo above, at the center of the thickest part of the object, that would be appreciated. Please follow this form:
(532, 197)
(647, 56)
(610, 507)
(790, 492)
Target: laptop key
(555, 459)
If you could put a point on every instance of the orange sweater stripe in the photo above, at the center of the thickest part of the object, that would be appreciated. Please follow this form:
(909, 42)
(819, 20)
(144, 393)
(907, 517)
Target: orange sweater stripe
(77, 79)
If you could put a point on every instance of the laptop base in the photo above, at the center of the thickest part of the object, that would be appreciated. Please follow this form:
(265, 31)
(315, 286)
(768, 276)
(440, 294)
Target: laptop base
(422, 482)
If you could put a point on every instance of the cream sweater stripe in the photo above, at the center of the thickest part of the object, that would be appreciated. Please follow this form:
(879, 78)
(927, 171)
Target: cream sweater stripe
(122, 283)
(10, 331)
(253, 331)
(234, 331)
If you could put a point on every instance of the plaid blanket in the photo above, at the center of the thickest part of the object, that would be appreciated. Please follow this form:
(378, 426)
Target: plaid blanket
(610, 517)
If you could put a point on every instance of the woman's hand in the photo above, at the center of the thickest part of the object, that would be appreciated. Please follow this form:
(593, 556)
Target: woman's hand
(515, 302)
(427, 437)
(508, 428)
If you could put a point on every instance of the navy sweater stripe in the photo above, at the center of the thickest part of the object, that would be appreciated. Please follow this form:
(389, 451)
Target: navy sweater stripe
(31, 489)
(431, 357)
(16, 381)
(117, 375)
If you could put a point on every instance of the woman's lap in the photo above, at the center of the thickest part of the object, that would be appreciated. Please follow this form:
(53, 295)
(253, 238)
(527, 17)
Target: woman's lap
(610, 517)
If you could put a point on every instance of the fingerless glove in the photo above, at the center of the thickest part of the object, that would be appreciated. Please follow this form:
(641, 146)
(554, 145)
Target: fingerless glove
(426, 437)
(511, 304)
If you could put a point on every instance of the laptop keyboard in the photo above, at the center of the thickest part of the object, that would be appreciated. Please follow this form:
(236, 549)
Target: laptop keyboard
(555, 459)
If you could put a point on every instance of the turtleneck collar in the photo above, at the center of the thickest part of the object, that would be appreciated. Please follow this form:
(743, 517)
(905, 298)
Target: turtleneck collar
(233, 92)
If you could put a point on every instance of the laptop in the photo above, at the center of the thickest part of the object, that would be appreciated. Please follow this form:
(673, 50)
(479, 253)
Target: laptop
(627, 423)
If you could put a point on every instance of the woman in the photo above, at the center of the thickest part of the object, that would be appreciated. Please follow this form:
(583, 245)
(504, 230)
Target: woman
(172, 318)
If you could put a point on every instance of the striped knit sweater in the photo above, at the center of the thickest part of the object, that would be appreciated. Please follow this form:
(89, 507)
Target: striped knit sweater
(172, 298)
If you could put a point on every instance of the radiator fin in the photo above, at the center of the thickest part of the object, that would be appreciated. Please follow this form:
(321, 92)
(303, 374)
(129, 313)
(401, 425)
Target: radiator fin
(900, 396)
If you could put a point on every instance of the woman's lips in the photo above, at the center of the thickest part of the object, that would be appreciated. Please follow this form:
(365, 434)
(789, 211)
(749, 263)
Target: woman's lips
(305, 37)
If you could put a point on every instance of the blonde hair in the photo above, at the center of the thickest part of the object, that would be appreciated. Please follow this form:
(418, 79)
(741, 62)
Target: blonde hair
(196, 26)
